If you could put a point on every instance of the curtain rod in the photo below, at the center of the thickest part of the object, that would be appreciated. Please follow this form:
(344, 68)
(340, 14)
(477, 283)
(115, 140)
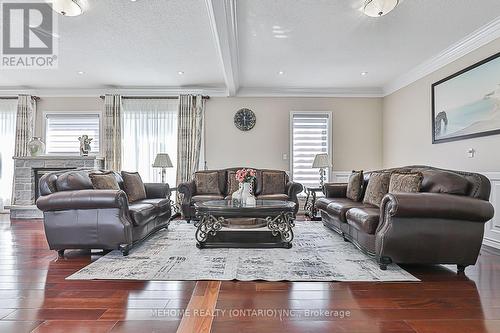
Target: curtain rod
(36, 98)
(152, 97)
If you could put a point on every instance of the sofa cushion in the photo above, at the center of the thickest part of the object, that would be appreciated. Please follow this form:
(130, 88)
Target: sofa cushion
(405, 182)
(133, 186)
(355, 186)
(104, 181)
(337, 207)
(365, 219)
(439, 181)
(206, 197)
(377, 187)
(74, 180)
(207, 182)
(282, 197)
(273, 182)
(141, 213)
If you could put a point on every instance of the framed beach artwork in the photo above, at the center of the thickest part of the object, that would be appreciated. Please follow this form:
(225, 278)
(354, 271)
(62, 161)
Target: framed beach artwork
(467, 104)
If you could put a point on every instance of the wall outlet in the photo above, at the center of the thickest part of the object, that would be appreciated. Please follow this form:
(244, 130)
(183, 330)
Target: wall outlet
(471, 152)
(285, 156)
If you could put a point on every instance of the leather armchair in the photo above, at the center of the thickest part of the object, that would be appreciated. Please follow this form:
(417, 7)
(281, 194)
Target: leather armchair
(76, 216)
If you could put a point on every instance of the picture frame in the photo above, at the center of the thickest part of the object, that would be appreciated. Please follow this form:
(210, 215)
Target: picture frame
(466, 104)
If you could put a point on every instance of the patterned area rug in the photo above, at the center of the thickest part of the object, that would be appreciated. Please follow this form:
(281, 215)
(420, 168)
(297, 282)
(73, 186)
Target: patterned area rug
(318, 254)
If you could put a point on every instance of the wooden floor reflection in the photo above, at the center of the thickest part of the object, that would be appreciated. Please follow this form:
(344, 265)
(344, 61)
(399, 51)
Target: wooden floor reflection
(34, 296)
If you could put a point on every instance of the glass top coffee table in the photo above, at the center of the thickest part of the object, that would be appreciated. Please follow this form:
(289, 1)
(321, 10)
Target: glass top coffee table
(278, 232)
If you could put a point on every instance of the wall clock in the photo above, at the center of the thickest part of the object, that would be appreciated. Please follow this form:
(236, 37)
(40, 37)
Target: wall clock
(244, 119)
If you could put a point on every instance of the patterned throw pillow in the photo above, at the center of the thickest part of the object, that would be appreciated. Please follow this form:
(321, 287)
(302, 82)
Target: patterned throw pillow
(207, 182)
(133, 186)
(405, 182)
(104, 181)
(355, 185)
(232, 184)
(377, 187)
(273, 182)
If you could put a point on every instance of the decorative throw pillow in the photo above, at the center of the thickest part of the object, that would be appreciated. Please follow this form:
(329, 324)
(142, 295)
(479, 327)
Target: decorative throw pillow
(232, 184)
(104, 181)
(355, 185)
(273, 182)
(207, 182)
(377, 187)
(405, 182)
(133, 186)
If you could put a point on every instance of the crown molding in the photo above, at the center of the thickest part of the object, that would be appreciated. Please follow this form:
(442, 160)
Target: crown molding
(126, 91)
(310, 92)
(475, 40)
(223, 23)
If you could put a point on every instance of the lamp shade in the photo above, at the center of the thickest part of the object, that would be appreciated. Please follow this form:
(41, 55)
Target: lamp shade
(162, 160)
(321, 161)
(377, 8)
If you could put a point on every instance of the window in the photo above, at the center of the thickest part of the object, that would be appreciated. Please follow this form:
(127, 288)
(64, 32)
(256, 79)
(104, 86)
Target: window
(8, 110)
(62, 131)
(310, 135)
(149, 127)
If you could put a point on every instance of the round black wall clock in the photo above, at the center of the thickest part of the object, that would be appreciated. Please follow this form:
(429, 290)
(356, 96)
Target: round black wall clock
(244, 119)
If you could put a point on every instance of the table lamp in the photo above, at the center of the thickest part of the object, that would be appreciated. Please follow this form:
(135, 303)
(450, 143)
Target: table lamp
(162, 161)
(321, 161)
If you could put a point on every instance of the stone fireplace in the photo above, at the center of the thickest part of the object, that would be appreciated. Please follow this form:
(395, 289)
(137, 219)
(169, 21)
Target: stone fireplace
(27, 171)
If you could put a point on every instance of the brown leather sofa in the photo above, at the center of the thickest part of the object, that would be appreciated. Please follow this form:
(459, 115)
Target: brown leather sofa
(442, 224)
(190, 194)
(76, 216)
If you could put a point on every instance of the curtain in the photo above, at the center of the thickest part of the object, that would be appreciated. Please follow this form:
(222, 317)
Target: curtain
(112, 132)
(8, 109)
(25, 124)
(149, 128)
(190, 135)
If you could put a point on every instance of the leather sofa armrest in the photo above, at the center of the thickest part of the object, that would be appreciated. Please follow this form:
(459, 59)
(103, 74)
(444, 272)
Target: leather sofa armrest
(157, 190)
(292, 189)
(188, 190)
(83, 199)
(437, 205)
(335, 190)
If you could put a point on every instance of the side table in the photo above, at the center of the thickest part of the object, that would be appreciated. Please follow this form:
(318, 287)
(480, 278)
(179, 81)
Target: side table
(309, 206)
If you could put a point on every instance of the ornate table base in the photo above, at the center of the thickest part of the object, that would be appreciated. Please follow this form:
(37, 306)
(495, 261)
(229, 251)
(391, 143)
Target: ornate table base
(279, 233)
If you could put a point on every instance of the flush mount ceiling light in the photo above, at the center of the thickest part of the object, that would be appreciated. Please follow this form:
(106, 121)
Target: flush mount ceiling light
(377, 8)
(67, 7)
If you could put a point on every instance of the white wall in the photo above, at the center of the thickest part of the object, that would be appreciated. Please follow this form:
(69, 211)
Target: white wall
(407, 126)
(357, 131)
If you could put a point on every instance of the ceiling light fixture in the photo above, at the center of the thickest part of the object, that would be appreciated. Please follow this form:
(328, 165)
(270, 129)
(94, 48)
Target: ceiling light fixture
(281, 73)
(81, 72)
(180, 72)
(67, 7)
(377, 8)
(364, 73)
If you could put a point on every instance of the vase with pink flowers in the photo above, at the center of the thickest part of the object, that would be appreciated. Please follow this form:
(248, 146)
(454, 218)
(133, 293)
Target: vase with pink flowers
(243, 196)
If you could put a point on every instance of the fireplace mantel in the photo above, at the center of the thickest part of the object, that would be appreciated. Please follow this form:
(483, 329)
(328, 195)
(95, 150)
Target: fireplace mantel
(23, 193)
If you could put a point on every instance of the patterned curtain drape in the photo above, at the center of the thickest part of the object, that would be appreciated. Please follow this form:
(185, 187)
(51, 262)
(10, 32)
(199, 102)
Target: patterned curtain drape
(25, 124)
(112, 132)
(190, 134)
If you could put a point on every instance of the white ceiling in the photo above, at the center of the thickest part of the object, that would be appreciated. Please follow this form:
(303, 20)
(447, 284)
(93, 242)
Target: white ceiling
(319, 44)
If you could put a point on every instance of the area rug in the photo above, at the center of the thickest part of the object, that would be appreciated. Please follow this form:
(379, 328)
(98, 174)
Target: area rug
(318, 254)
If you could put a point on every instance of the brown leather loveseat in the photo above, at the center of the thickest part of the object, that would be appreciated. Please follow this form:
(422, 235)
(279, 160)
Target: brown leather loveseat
(77, 216)
(441, 224)
(220, 184)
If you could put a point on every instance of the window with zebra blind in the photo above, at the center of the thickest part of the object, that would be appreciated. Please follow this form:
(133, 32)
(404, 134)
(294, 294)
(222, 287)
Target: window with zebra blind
(310, 134)
(62, 131)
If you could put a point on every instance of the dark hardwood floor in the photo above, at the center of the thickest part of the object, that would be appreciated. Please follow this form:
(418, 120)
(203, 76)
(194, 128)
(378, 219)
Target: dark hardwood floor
(34, 296)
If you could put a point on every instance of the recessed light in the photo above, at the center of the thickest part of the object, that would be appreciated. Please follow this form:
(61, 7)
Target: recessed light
(281, 73)
(364, 73)
(180, 72)
(81, 72)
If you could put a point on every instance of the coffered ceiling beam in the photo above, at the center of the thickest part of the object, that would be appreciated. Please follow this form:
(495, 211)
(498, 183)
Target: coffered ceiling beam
(222, 15)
